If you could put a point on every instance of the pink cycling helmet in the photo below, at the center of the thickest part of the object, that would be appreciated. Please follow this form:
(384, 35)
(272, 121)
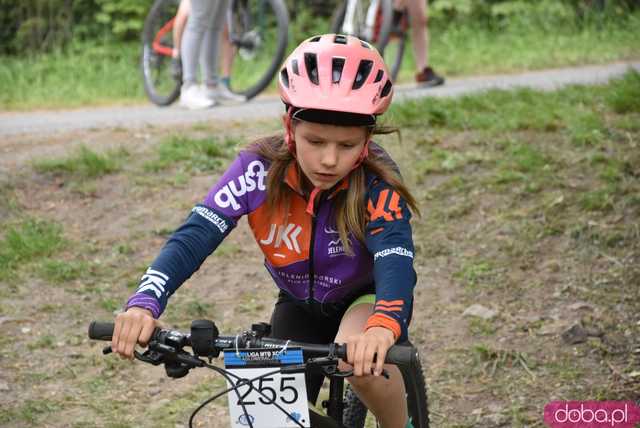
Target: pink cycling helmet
(337, 73)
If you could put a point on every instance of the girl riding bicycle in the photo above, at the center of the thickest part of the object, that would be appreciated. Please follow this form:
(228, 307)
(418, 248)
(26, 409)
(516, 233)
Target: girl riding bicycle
(329, 211)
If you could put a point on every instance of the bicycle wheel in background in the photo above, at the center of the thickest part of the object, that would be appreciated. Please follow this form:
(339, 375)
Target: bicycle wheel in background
(393, 50)
(161, 83)
(259, 30)
(355, 413)
(371, 20)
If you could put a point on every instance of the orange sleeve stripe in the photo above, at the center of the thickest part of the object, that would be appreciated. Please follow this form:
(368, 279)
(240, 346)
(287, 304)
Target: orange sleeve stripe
(382, 320)
(378, 230)
(389, 308)
(390, 303)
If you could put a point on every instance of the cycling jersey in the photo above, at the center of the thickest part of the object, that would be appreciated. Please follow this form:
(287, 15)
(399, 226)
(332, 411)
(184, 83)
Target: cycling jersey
(303, 251)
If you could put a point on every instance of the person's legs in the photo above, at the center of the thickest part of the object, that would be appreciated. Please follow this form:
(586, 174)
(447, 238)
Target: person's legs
(228, 55)
(384, 397)
(419, 34)
(211, 44)
(199, 21)
(179, 23)
(425, 75)
(212, 49)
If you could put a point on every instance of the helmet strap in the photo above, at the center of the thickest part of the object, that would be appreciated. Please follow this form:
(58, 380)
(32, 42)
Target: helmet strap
(363, 155)
(288, 132)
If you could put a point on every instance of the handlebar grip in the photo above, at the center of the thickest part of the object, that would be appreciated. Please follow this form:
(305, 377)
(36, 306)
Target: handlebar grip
(402, 355)
(99, 330)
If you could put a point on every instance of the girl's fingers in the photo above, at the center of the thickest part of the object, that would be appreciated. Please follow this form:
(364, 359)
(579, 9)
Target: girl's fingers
(358, 363)
(132, 339)
(116, 334)
(122, 338)
(382, 354)
(351, 350)
(147, 331)
(370, 352)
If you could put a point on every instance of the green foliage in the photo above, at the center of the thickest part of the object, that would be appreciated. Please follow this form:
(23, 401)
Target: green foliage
(125, 18)
(43, 25)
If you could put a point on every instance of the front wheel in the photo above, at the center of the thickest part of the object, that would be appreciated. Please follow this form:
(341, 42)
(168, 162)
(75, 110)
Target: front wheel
(258, 31)
(355, 413)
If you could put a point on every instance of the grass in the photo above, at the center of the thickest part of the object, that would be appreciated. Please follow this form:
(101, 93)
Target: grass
(89, 73)
(85, 163)
(195, 155)
(98, 72)
(31, 411)
(26, 241)
(59, 271)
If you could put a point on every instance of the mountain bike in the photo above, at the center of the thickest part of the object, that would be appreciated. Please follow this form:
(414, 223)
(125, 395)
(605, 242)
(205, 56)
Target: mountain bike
(266, 375)
(257, 30)
(367, 20)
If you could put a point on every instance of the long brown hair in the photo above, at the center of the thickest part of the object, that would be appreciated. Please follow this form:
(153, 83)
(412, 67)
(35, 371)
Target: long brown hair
(350, 208)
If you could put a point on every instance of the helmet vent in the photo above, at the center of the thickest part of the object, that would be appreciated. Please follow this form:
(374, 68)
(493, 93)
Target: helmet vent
(337, 64)
(364, 69)
(386, 89)
(365, 44)
(315, 39)
(294, 67)
(311, 64)
(379, 76)
(341, 39)
(284, 77)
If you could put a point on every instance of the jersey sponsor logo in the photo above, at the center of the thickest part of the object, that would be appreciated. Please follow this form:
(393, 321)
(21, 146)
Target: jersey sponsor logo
(153, 280)
(389, 212)
(214, 218)
(335, 246)
(396, 250)
(332, 243)
(252, 179)
(287, 234)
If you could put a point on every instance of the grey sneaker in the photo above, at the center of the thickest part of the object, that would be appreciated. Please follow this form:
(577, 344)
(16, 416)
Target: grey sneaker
(222, 93)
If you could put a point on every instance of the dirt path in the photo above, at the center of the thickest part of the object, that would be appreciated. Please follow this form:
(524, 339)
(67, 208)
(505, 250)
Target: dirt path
(48, 122)
(502, 246)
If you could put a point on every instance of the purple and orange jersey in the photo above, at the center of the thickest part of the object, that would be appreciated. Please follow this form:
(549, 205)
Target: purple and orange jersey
(303, 251)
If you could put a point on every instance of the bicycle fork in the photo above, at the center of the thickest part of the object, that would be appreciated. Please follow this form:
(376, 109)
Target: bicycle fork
(349, 22)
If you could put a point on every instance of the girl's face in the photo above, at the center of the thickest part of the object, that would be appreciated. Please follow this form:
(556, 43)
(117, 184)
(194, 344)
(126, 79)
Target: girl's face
(327, 153)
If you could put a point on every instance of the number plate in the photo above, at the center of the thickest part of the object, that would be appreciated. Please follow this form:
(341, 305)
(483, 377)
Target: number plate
(287, 390)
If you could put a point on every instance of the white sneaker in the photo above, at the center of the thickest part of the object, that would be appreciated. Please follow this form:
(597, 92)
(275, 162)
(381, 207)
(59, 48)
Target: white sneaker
(222, 93)
(193, 98)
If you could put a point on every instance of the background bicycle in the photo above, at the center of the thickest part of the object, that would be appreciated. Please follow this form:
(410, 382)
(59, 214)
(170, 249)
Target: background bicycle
(377, 22)
(265, 359)
(257, 29)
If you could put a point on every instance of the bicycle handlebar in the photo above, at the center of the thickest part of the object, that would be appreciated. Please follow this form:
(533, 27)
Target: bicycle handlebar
(404, 355)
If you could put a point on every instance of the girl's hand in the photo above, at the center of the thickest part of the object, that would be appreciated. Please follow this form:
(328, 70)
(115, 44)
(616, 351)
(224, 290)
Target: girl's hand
(362, 347)
(133, 326)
